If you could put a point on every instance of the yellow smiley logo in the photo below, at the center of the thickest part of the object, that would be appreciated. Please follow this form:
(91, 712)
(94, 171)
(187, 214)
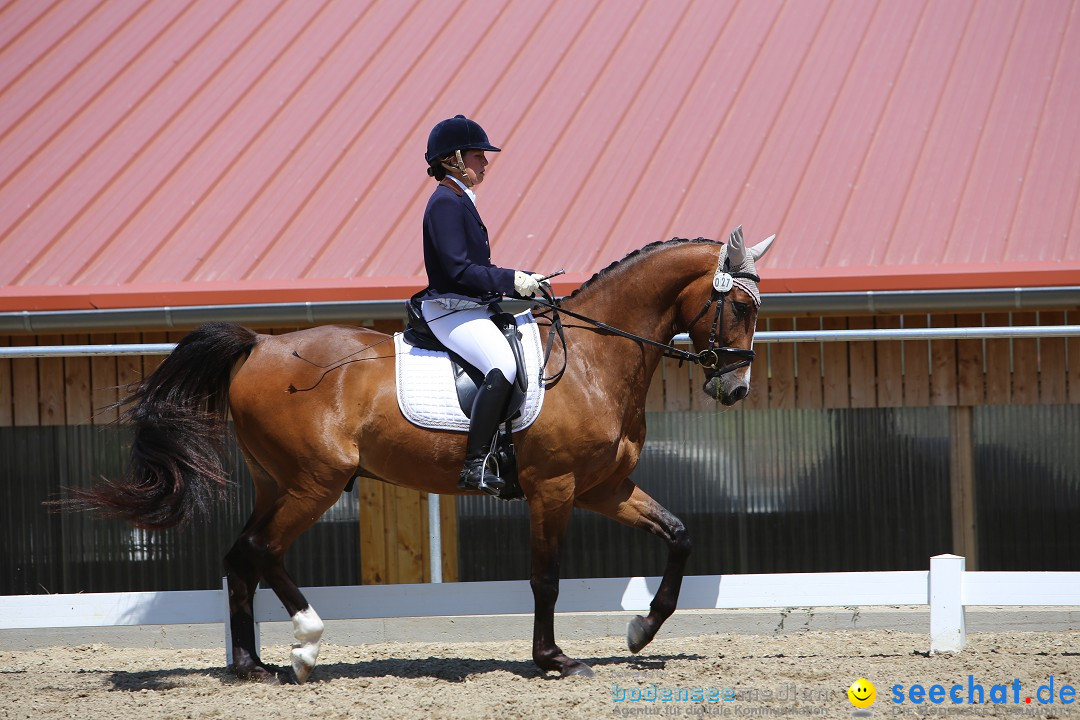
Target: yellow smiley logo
(862, 693)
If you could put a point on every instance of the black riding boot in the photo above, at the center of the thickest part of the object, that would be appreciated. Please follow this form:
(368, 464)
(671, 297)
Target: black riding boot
(487, 415)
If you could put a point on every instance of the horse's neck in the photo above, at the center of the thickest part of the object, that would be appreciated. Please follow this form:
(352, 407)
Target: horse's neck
(640, 299)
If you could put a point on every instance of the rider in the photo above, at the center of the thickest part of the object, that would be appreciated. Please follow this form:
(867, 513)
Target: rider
(463, 285)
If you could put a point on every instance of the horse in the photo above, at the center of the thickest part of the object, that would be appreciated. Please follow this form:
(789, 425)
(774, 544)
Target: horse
(304, 448)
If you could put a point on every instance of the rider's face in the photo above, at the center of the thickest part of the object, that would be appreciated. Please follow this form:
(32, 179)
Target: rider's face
(475, 164)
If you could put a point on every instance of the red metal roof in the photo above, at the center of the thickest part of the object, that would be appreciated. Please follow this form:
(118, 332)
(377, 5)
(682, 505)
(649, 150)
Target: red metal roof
(206, 151)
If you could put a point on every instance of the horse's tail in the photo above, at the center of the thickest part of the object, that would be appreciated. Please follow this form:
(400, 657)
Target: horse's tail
(179, 417)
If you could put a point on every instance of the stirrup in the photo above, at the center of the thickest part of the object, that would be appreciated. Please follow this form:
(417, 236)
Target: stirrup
(475, 476)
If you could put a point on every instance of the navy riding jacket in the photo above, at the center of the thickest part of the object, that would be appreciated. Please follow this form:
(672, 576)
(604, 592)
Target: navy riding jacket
(456, 251)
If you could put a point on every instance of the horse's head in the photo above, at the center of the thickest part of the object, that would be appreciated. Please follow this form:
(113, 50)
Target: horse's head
(721, 313)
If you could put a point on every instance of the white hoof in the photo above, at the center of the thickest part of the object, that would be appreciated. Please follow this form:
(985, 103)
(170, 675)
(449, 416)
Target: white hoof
(308, 629)
(303, 661)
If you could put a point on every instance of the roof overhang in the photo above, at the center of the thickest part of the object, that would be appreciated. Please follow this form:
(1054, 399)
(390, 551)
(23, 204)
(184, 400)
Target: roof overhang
(775, 282)
(314, 312)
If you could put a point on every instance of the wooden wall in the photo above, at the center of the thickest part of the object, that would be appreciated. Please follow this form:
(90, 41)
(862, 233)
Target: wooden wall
(74, 391)
(393, 526)
(910, 373)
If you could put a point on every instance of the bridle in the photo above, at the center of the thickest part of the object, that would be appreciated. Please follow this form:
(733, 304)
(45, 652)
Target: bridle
(709, 358)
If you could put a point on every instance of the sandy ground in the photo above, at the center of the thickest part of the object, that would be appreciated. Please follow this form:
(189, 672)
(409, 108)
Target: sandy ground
(794, 674)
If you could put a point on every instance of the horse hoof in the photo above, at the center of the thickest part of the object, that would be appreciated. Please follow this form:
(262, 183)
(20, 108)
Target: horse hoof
(301, 668)
(265, 674)
(578, 669)
(637, 634)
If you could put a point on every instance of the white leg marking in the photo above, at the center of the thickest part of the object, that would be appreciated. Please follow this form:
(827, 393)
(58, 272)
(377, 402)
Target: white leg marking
(308, 630)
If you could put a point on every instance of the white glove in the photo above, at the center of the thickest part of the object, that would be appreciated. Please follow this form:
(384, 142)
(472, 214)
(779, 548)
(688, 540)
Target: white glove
(526, 285)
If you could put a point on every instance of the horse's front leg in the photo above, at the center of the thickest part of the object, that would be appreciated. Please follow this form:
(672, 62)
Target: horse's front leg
(549, 511)
(630, 505)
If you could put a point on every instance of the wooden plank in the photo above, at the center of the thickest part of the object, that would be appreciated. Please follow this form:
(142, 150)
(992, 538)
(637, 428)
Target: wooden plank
(373, 569)
(425, 535)
(448, 516)
(128, 367)
(808, 386)
(962, 485)
(51, 385)
(916, 365)
(1073, 349)
(1025, 353)
(943, 365)
(1053, 385)
(782, 367)
(862, 373)
(448, 535)
(888, 356)
(150, 362)
(103, 383)
(834, 374)
(24, 385)
(676, 386)
(998, 364)
(969, 364)
(411, 539)
(77, 395)
(758, 397)
(6, 410)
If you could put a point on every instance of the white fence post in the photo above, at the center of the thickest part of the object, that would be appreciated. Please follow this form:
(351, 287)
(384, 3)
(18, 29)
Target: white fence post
(947, 630)
(228, 622)
(435, 537)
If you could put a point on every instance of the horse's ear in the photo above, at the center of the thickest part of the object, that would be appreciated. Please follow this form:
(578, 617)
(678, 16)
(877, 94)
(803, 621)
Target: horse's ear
(736, 252)
(762, 247)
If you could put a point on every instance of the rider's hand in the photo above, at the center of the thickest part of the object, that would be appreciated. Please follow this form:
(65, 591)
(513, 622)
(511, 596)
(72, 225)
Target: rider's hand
(544, 284)
(526, 285)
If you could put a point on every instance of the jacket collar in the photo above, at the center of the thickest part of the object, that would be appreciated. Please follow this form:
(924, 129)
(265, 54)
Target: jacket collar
(456, 188)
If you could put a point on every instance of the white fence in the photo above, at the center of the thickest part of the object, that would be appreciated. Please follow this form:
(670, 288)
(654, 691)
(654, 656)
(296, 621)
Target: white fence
(946, 588)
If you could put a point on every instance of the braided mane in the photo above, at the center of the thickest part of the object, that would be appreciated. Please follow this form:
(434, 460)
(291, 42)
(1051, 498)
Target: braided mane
(641, 252)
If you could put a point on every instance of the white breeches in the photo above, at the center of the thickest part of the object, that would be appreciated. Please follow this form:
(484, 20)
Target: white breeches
(470, 333)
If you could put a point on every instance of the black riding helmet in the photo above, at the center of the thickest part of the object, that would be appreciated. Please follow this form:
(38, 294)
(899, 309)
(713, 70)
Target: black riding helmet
(453, 134)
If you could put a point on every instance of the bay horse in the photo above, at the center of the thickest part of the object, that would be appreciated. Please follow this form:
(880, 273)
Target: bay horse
(303, 448)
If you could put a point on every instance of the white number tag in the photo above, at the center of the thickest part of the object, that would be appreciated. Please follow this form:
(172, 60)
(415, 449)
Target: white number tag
(722, 282)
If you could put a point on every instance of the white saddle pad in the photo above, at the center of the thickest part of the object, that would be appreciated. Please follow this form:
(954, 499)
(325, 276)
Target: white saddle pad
(426, 392)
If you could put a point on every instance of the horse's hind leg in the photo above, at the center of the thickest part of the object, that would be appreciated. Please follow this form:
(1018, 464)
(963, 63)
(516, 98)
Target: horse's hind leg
(268, 541)
(243, 573)
(630, 505)
(261, 548)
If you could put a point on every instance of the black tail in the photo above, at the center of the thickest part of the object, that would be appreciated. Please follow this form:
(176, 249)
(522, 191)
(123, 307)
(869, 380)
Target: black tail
(179, 418)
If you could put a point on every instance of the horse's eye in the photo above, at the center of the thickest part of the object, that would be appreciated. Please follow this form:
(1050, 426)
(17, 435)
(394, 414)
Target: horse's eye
(740, 308)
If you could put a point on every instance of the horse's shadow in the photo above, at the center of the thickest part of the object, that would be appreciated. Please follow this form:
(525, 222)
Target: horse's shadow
(453, 670)
(168, 679)
(460, 669)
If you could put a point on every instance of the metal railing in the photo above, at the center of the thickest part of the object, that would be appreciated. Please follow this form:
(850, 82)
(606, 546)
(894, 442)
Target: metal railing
(764, 336)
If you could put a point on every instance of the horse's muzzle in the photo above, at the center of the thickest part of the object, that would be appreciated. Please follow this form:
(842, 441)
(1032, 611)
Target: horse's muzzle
(734, 391)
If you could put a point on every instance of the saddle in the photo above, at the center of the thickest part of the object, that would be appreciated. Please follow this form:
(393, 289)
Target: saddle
(467, 381)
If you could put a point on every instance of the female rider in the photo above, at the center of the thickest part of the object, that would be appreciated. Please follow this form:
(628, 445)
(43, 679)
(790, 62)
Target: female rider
(463, 285)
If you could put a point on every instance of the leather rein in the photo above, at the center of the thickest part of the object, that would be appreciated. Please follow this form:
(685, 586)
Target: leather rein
(709, 358)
